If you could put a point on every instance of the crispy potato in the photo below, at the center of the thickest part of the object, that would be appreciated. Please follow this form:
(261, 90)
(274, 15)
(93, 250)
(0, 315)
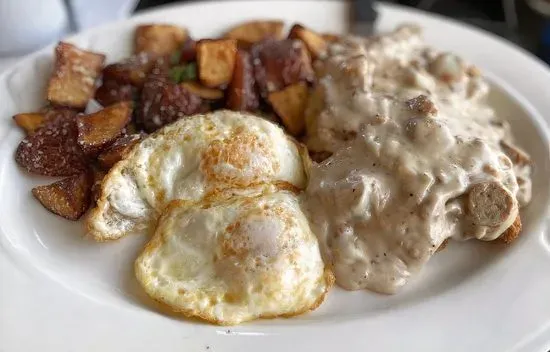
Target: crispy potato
(278, 64)
(69, 198)
(241, 93)
(98, 130)
(97, 178)
(216, 61)
(112, 92)
(512, 232)
(53, 150)
(255, 31)
(163, 102)
(118, 150)
(159, 39)
(133, 70)
(72, 82)
(290, 104)
(315, 43)
(29, 122)
(330, 38)
(202, 91)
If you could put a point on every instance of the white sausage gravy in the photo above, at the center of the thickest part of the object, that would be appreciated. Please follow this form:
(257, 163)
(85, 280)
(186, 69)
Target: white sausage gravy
(418, 157)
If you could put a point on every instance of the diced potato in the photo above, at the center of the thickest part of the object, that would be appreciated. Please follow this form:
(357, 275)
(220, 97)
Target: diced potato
(29, 122)
(330, 38)
(315, 43)
(159, 39)
(69, 198)
(241, 93)
(118, 150)
(278, 64)
(255, 31)
(202, 91)
(216, 59)
(98, 130)
(72, 83)
(132, 70)
(290, 104)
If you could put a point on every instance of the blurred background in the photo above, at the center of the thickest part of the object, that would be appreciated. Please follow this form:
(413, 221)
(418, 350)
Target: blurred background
(524, 22)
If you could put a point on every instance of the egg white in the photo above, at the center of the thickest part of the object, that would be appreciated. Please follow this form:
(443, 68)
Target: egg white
(235, 260)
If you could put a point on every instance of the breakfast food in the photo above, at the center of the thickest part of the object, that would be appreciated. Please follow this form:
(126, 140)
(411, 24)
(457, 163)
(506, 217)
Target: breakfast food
(211, 156)
(407, 154)
(416, 159)
(236, 260)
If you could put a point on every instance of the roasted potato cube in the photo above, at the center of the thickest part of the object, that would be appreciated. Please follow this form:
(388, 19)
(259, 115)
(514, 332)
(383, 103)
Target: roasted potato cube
(202, 91)
(111, 92)
(118, 150)
(163, 102)
(216, 60)
(314, 42)
(241, 93)
(53, 150)
(69, 198)
(98, 130)
(278, 64)
(330, 38)
(255, 31)
(29, 122)
(159, 39)
(133, 70)
(290, 104)
(72, 82)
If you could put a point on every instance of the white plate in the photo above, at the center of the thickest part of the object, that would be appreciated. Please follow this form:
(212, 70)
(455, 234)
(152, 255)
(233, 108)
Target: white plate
(59, 292)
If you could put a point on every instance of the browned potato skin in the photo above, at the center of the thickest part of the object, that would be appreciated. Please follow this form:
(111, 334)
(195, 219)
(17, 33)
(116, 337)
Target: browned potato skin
(202, 91)
(29, 122)
(72, 82)
(290, 105)
(118, 150)
(314, 42)
(511, 233)
(330, 38)
(159, 39)
(241, 93)
(69, 198)
(255, 31)
(133, 70)
(98, 130)
(216, 61)
(278, 64)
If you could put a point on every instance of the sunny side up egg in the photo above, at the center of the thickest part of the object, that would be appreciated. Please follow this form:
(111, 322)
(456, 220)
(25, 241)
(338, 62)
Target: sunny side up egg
(202, 158)
(235, 260)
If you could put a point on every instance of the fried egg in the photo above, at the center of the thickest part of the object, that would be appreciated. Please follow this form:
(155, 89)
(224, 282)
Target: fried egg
(203, 157)
(236, 260)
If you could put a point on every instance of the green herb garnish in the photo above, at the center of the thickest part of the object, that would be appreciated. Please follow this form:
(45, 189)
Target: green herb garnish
(182, 73)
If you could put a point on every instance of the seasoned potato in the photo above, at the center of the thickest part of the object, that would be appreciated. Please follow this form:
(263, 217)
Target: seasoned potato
(278, 64)
(163, 102)
(202, 91)
(72, 82)
(69, 198)
(315, 43)
(330, 38)
(118, 150)
(111, 92)
(53, 150)
(241, 93)
(216, 60)
(98, 130)
(511, 233)
(290, 104)
(159, 39)
(132, 70)
(29, 122)
(255, 31)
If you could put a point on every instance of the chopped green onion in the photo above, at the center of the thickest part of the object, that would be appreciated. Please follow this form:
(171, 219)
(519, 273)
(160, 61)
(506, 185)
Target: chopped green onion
(183, 73)
(175, 57)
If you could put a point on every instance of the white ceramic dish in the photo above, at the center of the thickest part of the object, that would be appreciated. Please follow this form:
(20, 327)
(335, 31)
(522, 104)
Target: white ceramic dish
(59, 292)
